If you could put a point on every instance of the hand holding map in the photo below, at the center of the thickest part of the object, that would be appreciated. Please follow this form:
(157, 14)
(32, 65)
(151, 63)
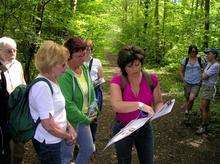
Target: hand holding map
(134, 125)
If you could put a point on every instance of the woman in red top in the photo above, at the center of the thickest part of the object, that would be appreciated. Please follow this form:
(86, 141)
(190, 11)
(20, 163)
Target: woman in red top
(137, 95)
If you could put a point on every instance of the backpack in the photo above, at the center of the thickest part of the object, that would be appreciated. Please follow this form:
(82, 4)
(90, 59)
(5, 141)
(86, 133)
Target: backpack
(22, 126)
(90, 65)
(199, 60)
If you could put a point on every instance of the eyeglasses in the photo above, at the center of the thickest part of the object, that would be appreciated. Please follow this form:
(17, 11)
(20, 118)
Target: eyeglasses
(8, 51)
(79, 53)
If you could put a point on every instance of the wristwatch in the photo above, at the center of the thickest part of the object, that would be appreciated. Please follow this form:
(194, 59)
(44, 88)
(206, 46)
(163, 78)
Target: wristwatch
(141, 106)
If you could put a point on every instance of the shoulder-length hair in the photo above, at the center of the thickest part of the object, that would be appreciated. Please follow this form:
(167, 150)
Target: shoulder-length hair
(129, 54)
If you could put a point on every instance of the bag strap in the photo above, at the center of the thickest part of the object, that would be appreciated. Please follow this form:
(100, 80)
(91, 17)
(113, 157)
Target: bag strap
(149, 80)
(200, 62)
(37, 80)
(186, 62)
(123, 83)
(4, 84)
(90, 64)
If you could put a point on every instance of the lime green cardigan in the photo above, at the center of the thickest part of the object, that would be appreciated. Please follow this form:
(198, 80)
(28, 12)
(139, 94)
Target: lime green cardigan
(74, 97)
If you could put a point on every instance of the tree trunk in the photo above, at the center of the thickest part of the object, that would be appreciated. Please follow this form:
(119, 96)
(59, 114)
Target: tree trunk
(146, 13)
(157, 33)
(40, 14)
(206, 25)
(163, 48)
(29, 55)
(31, 46)
(74, 5)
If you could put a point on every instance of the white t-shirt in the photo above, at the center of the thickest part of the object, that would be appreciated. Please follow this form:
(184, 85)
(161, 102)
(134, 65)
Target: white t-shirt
(14, 75)
(96, 65)
(42, 103)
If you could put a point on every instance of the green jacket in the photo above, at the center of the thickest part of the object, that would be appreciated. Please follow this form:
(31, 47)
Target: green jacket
(74, 97)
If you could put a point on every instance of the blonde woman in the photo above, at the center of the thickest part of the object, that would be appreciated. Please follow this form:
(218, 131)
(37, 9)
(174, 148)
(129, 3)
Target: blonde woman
(53, 129)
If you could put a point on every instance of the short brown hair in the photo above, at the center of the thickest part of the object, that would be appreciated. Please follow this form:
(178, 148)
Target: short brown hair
(129, 54)
(49, 55)
(75, 44)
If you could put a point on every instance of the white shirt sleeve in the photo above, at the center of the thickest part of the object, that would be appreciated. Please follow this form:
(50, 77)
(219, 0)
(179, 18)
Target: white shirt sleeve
(212, 70)
(41, 101)
(14, 75)
(98, 63)
(22, 74)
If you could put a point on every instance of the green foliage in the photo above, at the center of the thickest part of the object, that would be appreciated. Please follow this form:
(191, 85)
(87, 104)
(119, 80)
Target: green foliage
(165, 35)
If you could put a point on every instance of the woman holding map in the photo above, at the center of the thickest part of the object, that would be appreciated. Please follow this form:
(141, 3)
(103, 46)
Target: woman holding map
(134, 94)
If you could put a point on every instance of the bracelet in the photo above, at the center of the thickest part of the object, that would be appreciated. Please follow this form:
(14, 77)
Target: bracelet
(141, 106)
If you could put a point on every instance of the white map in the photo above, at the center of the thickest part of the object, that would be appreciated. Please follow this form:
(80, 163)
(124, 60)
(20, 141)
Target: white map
(134, 125)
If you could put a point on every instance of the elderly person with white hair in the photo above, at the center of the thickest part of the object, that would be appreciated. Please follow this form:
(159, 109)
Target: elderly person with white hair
(11, 76)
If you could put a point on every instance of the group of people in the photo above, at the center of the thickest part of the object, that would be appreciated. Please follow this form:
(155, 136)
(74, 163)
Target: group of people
(68, 115)
(197, 73)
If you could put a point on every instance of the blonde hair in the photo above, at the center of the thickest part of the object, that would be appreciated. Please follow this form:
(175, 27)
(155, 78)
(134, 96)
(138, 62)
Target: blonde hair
(89, 43)
(49, 55)
(6, 40)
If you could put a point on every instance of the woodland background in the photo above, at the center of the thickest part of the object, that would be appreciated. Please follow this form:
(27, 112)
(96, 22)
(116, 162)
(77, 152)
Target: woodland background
(164, 28)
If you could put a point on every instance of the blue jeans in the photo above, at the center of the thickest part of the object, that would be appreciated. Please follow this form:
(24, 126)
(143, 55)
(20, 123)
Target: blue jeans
(66, 152)
(99, 99)
(85, 142)
(143, 141)
(48, 153)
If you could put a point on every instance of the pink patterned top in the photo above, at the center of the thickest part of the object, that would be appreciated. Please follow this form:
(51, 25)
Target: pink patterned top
(145, 95)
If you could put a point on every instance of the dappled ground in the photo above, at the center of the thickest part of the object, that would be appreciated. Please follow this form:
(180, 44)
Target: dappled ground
(174, 142)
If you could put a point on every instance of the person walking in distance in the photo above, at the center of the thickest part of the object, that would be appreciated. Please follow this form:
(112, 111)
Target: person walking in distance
(191, 72)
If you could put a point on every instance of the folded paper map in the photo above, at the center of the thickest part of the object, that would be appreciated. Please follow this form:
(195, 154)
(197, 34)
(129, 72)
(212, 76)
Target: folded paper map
(134, 125)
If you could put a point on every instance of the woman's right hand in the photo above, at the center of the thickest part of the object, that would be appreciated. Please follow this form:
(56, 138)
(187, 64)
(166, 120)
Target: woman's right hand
(148, 109)
(93, 118)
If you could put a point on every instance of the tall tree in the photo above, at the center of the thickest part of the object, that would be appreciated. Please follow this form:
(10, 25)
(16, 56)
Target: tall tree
(73, 5)
(163, 27)
(146, 4)
(206, 24)
(158, 56)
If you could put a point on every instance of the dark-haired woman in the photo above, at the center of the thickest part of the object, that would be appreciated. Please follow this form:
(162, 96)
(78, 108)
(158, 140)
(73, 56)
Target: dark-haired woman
(136, 96)
(191, 73)
(79, 94)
